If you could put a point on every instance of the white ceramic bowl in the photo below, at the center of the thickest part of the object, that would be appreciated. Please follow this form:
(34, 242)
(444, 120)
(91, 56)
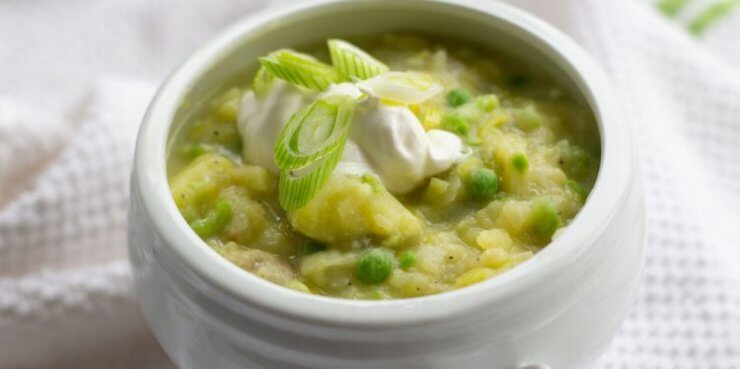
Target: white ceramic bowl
(557, 310)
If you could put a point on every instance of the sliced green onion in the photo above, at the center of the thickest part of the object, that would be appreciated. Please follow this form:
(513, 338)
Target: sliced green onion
(314, 132)
(295, 191)
(310, 147)
(353, 62)
(403, 87)
(300, 69)
(263, 82)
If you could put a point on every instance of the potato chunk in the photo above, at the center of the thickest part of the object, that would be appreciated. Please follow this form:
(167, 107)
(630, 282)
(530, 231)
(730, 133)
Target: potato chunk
(200, 183)
(331, 270)
(347, 208)
(264, 264)
(248, 220)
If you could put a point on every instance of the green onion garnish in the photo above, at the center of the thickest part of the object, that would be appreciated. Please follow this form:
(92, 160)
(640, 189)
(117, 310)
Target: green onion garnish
(310, 147)
(403, 87)
(314, 132)
(353, 62)
(263, 82)
(300, 69)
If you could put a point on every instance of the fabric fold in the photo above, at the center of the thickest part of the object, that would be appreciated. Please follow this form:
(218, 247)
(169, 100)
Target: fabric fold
(65, 286)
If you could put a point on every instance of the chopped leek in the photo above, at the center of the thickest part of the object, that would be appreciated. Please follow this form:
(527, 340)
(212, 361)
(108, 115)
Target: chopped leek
(310, 147)
(296, 190)
(353, 62)
(314, 132)
(300, 69)
(403, 87)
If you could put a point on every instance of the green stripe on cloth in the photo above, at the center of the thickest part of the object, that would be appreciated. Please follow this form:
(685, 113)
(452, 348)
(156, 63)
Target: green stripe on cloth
(671, 7)
(711, 15)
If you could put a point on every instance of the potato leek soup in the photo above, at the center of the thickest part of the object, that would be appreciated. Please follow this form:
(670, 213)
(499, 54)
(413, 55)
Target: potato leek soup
(410, 167)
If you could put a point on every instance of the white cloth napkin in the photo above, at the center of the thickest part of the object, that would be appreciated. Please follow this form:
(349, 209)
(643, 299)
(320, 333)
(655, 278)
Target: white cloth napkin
(66, 139)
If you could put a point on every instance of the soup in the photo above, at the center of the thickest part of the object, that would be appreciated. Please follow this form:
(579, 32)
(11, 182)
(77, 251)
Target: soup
(417, 167)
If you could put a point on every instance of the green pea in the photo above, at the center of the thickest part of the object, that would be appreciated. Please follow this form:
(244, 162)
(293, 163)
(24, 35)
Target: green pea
(309, 247)
(545, 219)
(374, 267)
(458, 97)
(408, 259)
(482, 184)
(214, 221)
(520, 162)
(456, 124)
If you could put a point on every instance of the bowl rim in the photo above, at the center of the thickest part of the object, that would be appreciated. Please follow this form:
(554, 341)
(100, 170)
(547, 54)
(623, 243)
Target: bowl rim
(611, 185)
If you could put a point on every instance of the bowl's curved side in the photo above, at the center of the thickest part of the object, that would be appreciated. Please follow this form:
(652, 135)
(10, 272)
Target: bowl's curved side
(200, 326)
(209, 313)
(597, 214)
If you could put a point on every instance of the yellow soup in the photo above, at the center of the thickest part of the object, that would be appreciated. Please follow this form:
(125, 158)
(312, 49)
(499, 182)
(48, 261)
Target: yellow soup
(534, 156)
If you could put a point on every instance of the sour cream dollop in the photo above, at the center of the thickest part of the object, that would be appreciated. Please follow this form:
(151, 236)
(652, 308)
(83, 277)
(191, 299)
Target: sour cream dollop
(388, 141)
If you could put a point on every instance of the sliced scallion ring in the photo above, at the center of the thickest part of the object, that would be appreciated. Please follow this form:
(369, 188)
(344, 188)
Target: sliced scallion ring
(314, 132)
(300, 69)
(403, 87)
(310, 147)
(353, 62)
(296, 191)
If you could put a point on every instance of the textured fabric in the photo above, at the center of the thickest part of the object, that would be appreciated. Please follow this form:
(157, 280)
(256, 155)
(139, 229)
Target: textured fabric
(66, 139)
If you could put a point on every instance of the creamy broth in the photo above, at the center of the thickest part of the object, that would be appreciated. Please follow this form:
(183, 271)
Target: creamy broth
(531, 155)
